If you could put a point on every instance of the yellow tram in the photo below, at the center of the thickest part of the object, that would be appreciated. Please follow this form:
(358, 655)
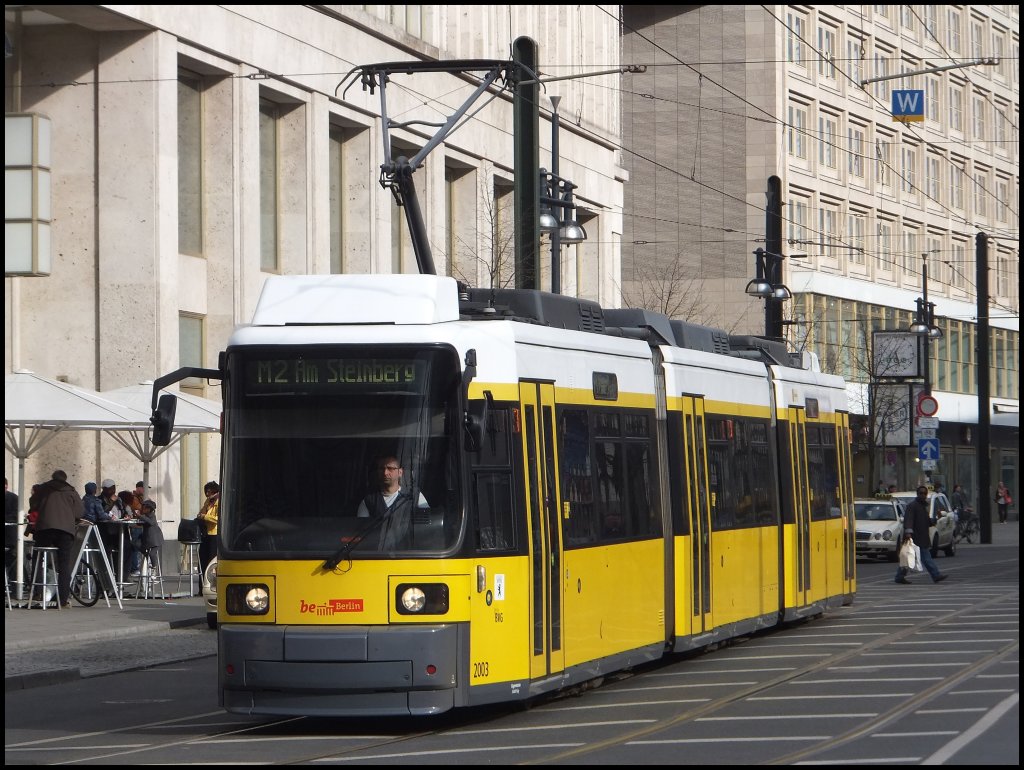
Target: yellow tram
(584, 490)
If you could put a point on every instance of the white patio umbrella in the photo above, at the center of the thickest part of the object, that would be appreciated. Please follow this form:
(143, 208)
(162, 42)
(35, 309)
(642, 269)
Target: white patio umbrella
(193, 415)
(36, 409)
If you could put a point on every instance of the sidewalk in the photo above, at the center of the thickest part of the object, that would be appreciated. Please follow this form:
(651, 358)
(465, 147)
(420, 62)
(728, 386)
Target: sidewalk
(45, 647)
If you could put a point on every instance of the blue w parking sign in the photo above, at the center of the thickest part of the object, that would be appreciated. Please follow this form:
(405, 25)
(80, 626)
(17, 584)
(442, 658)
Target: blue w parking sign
(908, 106)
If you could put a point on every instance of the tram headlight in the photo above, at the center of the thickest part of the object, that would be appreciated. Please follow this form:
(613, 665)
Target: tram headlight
(413, 599)
(247, 599)
(421, 599)
(258, 599)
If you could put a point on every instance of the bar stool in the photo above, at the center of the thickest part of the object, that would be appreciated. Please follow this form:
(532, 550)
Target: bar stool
(191, 559)
(150, 574)
(44, 575)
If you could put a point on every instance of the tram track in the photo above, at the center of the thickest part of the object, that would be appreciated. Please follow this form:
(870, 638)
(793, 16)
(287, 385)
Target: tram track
(392, 745)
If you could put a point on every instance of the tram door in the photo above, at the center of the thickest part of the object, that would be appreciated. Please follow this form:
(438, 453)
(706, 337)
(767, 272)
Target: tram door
(698, 511)
(801, 503)
(537, 401)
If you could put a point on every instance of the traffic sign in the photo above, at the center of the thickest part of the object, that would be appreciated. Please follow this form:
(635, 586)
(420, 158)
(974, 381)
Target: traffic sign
(928, 465)
(927, 433)
(931, 423)
(927, 406)
(928, 448)
(908, 106)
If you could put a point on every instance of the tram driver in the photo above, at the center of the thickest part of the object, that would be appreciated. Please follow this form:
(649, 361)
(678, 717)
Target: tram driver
(390, 501)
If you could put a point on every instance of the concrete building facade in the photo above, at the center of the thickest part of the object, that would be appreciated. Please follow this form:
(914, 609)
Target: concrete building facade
(733, 95)
(196, 150)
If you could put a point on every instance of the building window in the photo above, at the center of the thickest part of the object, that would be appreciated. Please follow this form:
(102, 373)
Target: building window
(931, 17)
(191, 352)
(336, 184)
(856, 228)
(855, 59)
(981, 194)
(908, 180)
(797, 130)
(855, 150)
(932, 177)
(1001, 124)
(956, 186)
(797, 216)
(827, 51)
(931, 97)
(956, 108)
(883, 161)
(828, 230)
(958, 264)
(270, 116)
(907, 19)
(884, 256)
(953, 21)
(1002, 195)
(979, 111)
(190, 164)
(937, 269)
(909, 255)
(977, 39)
(797, 24)
(881, 60)
(828, 131)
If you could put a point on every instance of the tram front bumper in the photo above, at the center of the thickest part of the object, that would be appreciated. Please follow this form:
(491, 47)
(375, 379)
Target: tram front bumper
(331, 671)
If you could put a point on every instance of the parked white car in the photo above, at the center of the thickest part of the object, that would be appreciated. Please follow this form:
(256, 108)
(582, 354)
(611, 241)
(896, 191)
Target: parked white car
(210, 592)
(879, 527)
(943, 522)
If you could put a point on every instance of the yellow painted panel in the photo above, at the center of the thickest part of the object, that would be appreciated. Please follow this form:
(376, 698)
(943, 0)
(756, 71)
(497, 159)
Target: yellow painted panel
(614, 599)
(500, 640)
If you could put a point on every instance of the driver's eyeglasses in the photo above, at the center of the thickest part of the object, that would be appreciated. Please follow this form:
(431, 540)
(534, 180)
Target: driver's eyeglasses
(391, 468)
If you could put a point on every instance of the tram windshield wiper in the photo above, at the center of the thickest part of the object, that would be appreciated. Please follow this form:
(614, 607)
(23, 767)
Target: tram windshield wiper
(342, 553)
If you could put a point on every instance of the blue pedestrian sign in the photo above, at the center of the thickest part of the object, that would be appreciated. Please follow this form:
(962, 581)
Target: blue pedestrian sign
(928, 449)
(908, 106)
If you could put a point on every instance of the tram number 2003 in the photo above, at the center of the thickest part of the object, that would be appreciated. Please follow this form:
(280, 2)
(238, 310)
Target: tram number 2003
(481, 670)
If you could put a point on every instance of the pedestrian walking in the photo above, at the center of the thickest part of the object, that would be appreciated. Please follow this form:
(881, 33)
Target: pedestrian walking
(1003, 501)
(915, 527)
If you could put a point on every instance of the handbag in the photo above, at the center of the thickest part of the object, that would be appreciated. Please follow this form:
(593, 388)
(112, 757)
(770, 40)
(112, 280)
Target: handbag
(910, 556)
(190, 531)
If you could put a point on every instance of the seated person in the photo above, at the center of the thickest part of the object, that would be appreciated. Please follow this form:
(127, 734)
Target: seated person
(390, 500)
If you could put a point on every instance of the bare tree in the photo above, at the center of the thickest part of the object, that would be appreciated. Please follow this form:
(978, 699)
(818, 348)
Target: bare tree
(884, 397)
(668, 289)
(494, 259)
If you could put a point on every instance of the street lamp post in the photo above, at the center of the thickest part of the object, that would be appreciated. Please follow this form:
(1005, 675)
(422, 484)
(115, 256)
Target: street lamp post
(767, 285)
(557, 215)
(924, 325)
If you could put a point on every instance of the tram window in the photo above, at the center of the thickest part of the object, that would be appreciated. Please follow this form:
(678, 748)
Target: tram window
(643, 518)
(610, 487)
(818, 482)
(495, 521)
(606, 424)
(637, 425)
(577, 478)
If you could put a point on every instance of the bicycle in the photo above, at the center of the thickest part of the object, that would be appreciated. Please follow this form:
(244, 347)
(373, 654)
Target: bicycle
(967, 527)
(85, 584)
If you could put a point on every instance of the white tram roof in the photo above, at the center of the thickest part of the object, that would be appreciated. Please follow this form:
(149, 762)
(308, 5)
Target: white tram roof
(424, 309)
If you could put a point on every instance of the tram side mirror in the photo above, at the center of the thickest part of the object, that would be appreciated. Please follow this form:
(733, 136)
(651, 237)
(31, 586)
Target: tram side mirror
(163, 419)
(477, 415)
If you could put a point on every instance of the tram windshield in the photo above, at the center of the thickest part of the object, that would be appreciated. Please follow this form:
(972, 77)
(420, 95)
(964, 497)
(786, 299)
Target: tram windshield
(346, 450)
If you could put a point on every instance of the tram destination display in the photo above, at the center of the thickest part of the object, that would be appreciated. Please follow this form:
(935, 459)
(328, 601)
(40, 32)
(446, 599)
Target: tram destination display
(327, 376)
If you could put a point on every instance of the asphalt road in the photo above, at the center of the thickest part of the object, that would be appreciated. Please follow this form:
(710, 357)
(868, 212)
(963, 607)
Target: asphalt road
(920, 674)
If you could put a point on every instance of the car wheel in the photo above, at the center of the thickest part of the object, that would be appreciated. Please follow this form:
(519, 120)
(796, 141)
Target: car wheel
(950, 550)
(211, 620)
(935, 546)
